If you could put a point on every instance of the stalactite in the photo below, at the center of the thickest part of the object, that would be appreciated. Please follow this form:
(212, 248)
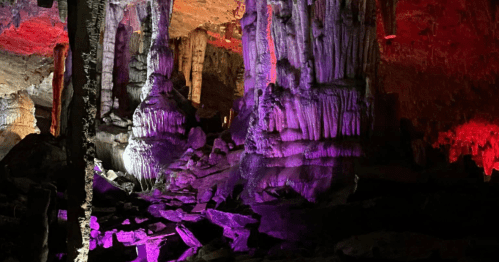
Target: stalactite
(389, 15)
(185, 59)
(158, 125)
(60, 53)
(114, 14)
(62, 5)
(198, 41)
(67, 93)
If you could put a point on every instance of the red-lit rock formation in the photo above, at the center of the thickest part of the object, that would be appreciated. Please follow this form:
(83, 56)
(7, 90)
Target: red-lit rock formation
(60, 53)
(476, 138)
(443, 62)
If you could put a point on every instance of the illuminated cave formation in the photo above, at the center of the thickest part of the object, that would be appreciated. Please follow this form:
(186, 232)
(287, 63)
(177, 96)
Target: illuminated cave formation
(178, 130)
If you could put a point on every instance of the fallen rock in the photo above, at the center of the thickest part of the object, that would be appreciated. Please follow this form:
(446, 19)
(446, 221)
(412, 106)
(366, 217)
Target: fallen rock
(188, 237)
(196, 138)
(225, 219)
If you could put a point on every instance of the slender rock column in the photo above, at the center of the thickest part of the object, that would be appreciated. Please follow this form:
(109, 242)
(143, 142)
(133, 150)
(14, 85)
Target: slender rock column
(84, 23)
(199, 40)
(114, 14)
(60, 53)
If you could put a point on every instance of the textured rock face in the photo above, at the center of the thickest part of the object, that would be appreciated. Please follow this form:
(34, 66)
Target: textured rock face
(223, 78)
(139, 48)
(307, 117)
(17, 120)
(18, 73)
(188, 15)
(158, 131)
(442, 62)
(114, 14)
(41, 94)
(121, 69)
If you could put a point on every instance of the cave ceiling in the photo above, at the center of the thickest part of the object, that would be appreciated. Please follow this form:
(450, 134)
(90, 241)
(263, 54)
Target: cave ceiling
(29, 33)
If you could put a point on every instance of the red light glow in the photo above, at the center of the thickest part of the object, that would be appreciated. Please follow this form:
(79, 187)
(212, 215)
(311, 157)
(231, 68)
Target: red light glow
(35, 36)
(235, 45)
(475, 138)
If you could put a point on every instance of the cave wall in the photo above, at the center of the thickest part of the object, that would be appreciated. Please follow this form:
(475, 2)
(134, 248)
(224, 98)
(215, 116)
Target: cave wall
(443, 63)
(17, 120)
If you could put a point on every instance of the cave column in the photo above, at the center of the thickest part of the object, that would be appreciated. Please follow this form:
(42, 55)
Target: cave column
(114, 14)
(60, 52)
(158, 124)
(199, 40)
(84, 23)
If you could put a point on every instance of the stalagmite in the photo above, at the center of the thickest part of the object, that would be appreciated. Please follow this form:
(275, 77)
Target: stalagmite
(198, 42)
(158, 132)
(60, 53)
(114, 14)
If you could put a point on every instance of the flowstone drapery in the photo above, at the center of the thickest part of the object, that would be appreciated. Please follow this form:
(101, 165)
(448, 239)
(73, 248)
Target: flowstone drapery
(309, 68)
(158, 124)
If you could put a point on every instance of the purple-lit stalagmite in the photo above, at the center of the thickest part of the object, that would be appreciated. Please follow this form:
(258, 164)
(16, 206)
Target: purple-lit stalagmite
(158, 131)
(306, 128)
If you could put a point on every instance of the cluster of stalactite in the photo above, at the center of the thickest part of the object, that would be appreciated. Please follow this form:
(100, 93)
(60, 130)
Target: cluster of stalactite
(191, 58)
(159, 125)
(308, 84)
(60, 53)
